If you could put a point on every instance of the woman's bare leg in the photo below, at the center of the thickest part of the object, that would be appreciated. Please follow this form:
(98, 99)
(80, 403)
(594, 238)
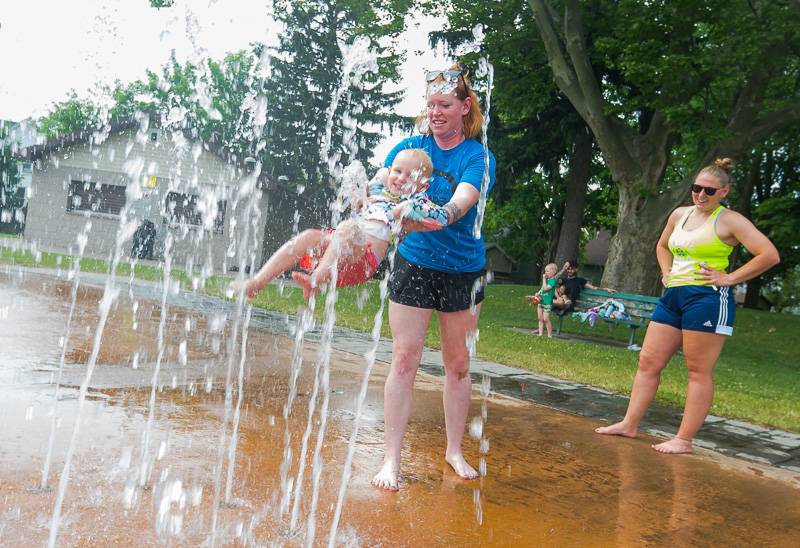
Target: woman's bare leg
(660, 342)
(455, 327)
(701, 351)
(283, 259)
(408, 325)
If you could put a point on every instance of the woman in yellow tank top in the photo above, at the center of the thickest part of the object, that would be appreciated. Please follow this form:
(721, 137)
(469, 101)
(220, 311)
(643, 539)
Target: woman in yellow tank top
(696, 310)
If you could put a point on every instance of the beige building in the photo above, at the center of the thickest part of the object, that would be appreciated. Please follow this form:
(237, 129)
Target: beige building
(151, 189)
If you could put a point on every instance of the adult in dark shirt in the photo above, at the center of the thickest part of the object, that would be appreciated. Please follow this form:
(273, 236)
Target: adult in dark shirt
(573, 285)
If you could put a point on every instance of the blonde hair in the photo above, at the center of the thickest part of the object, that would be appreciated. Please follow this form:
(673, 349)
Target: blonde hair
(421, 157)
(720, 169)
(473, 120)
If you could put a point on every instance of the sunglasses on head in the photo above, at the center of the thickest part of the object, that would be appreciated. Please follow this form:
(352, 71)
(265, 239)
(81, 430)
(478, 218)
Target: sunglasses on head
(449, 75)
(710, 191)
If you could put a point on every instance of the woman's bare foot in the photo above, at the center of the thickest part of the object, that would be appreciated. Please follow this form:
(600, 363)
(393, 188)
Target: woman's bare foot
(388, 477)
(461, 466)
(674, 446)
(617, 429)
(304, 280)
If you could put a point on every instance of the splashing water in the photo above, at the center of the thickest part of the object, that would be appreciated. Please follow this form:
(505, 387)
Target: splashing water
(145, 464)
(110, 293)
(362, 395)
(74, 273)
(477, 425)
(485, 69)
(171, 493)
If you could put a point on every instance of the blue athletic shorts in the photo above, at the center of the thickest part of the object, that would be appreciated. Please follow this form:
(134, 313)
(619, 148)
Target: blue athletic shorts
(697, 308)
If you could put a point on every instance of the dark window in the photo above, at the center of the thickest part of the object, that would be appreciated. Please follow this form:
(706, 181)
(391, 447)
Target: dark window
(183, 208)
(95, 197)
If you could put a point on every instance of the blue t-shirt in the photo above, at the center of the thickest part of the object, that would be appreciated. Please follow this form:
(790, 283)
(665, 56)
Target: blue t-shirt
(453, 249)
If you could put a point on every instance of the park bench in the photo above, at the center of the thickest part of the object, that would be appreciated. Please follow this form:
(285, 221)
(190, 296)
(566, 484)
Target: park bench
(638, 307)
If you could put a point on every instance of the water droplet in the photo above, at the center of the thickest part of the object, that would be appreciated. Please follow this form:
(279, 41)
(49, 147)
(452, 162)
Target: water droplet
(476, 428)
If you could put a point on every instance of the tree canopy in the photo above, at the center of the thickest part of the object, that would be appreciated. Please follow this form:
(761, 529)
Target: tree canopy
(665, 88)
(9, 171)
(274, 105)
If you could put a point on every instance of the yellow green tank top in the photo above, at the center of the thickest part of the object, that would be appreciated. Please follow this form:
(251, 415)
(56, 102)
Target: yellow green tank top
(691, 247)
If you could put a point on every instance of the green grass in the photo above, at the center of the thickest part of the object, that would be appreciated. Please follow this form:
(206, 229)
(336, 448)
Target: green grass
(5, 235)
(87, 264)
(757, 378)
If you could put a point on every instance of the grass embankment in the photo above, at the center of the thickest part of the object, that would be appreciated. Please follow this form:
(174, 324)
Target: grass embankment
(757, 378)
(87, 264)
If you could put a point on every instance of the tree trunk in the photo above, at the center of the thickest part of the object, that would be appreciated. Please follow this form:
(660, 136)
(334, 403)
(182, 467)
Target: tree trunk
(572, 221)
(631, 265)
(637, 158)
(751, 298)
(744, 203)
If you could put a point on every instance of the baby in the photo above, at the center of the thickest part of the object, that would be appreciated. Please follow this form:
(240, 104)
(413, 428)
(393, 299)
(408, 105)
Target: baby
(393, 194)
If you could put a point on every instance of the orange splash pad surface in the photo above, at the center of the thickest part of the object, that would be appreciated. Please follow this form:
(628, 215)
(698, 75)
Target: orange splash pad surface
(550, 480)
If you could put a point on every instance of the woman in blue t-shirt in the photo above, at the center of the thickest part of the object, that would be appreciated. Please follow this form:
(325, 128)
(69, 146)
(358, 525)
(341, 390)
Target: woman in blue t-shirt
(439, 270)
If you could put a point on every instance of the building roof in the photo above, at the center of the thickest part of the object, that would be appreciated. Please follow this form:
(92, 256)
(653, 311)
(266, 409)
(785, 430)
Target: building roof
(139, 122)
(501, 250)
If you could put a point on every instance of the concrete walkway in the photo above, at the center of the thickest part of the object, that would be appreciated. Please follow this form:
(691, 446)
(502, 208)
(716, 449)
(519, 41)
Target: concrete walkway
(734, 438)
(727, 436)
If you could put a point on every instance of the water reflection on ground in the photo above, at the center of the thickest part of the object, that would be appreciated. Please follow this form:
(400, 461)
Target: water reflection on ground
(550, 481)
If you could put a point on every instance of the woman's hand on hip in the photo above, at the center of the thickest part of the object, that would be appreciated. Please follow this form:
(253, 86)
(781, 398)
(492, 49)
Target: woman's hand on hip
(714, 278)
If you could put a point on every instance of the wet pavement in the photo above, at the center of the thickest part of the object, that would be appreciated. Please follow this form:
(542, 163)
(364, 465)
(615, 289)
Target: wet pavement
(550, 481)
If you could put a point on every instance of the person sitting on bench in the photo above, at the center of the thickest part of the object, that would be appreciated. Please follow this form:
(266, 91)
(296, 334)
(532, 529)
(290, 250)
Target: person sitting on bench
(573, 285)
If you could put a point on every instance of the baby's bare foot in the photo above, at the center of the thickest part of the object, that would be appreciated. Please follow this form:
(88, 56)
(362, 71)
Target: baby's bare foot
(251, 288)
(304, 281)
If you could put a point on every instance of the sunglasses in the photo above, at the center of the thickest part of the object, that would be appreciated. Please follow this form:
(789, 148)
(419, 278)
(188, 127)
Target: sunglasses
(449, 75)
(710, 191)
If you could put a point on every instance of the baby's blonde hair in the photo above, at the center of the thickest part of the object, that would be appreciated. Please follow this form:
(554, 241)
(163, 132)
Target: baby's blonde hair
(421, 157)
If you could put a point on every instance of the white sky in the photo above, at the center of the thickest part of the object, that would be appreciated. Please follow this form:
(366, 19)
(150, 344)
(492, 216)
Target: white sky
(49, 47)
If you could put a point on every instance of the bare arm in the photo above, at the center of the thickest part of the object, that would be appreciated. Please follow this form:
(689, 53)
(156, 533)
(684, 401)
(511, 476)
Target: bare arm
(663, 254)
(590, 285)
(736, 228)
(463, 199)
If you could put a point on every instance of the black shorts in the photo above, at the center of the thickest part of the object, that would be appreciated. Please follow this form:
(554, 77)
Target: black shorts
(421, 287)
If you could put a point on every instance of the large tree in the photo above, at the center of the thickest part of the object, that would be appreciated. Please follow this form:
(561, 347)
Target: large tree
(665, 88)
(309, 94)
(769, 194)
(69, 116)
(545, 151)
(9, 171)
